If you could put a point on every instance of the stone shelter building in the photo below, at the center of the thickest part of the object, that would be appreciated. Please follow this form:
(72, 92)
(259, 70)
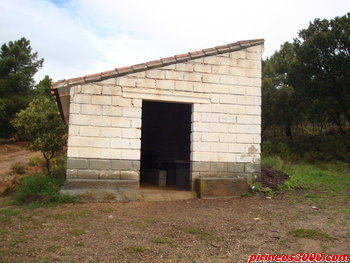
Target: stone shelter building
(191, 121)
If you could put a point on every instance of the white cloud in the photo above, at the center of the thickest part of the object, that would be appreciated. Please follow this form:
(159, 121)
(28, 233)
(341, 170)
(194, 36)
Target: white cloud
(79, 37)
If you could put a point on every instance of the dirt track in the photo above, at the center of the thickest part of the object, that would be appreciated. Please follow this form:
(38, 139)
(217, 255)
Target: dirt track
(11, 153)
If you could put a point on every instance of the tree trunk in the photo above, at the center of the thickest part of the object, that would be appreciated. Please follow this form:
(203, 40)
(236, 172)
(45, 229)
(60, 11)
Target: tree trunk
(288, 129)
(47, 163)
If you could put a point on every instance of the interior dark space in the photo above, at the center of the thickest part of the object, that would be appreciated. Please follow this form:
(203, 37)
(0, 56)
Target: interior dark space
(165, 143)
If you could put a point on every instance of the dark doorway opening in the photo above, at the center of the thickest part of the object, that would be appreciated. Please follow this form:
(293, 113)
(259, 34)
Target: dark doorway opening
(165, 144)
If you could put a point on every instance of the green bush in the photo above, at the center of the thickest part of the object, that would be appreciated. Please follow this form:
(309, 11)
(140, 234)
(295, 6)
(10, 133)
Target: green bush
(18, 168)
(40, 188)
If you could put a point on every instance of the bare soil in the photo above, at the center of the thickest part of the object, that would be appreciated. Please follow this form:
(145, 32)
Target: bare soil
(12, 152)
(220, 230)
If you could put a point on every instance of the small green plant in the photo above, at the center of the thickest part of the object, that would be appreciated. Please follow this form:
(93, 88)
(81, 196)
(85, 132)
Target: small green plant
(18, 168)
(310, 233)
(198, 232)
(136, 249)
(165, 240)
(40, 188)
(77, 232)
(256, 187)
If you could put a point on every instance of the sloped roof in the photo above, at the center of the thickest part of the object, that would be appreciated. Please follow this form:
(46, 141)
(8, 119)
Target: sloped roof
(239, 45)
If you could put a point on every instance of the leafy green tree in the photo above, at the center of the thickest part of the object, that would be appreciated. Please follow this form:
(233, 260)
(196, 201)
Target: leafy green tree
(321, 74)
(42, 127)
(279, 103)
(43, 89)
(18, 64)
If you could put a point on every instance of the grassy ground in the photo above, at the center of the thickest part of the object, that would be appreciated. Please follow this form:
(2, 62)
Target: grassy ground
(312, 215)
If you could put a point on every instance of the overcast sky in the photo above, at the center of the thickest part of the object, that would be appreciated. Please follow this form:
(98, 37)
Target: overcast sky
(80, 37)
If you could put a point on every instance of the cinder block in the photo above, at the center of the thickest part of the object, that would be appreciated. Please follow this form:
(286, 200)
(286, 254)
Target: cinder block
(111, 111)
(253, 73)
(87, 174)
(200, 147)
(96, 142)
(210, 117)
(238, 54)
(112, 90)
(245, 129)
(219, 147)
(109, 174)
(228, 137)
(126, 81)
(236, 167)
(187, 67)
(253, 110)
(78, 141)
(200, 166)
(193, 77)
(77, 119)
(202, 68)
(110, 153)
(222, 69)
(155, 74)
(131, 133)
(89, 131)
(99, 164)
(203, 87)
(238, 148)
(102, 121)
(235, 89)
(146, 83)
(81, 98)
(228, 79)
(121, 102)
(218, 167)
(71, 173)
(183, 85)
(245, 138)
(174, 75)
(101, 100)
(253, 91)
(228, 99)
(125, 165)
(211, 78)
(89, 109)
(91, 89)
(236, 71)
(121, 122)
(136, 103)
(132, 112)
(74, 130)
(110, 132)
(130, 175)
(131, 154)
(165, 84)
(213, 60)
(252, 168)
(136, 123)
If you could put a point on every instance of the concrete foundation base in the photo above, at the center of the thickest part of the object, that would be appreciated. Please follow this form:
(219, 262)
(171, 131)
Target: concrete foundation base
(88, 190)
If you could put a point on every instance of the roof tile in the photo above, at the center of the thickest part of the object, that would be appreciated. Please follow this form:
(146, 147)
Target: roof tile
(158, 63)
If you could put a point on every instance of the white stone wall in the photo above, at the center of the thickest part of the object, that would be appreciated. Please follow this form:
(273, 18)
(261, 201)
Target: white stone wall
(225, 90)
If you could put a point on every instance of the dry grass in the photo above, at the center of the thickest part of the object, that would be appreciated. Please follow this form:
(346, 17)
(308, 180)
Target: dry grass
(223, 230)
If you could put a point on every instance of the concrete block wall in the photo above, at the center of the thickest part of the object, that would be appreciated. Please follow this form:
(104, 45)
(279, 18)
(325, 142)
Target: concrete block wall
(225, 91)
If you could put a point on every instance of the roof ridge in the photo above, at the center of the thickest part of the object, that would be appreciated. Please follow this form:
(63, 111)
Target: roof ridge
(239, 45)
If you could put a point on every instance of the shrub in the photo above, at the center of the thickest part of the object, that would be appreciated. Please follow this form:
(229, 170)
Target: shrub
(40, 188)
(18, 168)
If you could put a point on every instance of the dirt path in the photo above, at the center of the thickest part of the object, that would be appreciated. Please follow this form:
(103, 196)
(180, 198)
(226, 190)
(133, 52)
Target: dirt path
(12, 152)
(222, 230)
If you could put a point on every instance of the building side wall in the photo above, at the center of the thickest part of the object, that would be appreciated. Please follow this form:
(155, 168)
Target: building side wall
(225, 90)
